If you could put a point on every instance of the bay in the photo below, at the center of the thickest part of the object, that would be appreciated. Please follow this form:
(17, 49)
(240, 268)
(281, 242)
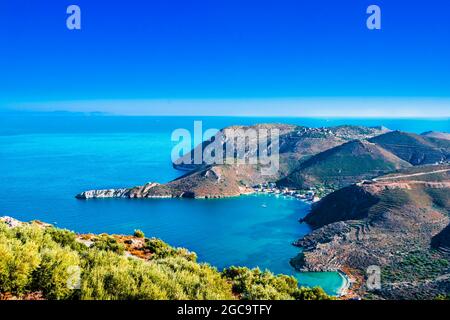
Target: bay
(46, 159)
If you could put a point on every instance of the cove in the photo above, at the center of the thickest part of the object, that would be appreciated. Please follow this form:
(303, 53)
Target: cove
(252, 230)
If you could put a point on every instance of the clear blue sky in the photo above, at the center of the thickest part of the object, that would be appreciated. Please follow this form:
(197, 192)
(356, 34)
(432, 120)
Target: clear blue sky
(222, 50)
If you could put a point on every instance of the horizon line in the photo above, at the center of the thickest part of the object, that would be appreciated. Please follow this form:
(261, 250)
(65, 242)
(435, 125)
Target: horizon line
(354, 107)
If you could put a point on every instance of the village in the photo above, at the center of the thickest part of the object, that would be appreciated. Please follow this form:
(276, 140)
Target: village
(311, 195)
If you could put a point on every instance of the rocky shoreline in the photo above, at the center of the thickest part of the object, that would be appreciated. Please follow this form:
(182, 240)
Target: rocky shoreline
(309, 195)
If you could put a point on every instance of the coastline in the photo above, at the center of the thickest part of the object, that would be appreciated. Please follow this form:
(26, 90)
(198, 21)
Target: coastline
(334, 290)
(346, 284)
(134, 246)
(307, 196)
(344, 288)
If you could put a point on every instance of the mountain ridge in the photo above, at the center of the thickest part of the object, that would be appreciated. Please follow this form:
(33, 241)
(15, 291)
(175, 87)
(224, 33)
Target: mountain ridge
(343, 165)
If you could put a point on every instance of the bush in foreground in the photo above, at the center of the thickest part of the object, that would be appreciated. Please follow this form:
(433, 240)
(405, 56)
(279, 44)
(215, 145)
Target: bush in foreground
(254, 284)
(35, 258)
(138, 233)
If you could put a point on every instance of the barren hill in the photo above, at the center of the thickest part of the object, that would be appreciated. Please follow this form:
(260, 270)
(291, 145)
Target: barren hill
(344, 165)
(437, 135)
(413, 148)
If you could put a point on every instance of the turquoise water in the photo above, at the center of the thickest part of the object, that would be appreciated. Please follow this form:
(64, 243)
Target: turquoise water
(46, 160)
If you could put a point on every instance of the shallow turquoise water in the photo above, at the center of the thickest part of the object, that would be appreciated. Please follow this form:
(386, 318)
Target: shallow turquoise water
(45, 161)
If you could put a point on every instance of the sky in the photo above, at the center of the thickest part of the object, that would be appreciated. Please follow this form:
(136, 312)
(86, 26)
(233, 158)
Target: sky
(227, 57)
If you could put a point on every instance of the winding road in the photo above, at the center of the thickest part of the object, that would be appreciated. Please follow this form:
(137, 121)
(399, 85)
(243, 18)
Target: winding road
(410, 175)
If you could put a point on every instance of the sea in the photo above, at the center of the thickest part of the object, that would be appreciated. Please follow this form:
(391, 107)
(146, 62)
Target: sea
(47, 158)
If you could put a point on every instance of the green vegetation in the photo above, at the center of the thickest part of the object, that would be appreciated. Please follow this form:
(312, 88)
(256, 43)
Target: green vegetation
(417, 150)
(108, 243)
(255, 284)
(36, 258)
(65, 238)
(441, 199)
(343, 165)
(30, 260)
(139, 234)
(112, 276)
(161, 250)
(416, 265)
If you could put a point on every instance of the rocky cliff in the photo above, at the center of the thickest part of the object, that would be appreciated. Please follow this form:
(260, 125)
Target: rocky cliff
(211, 182)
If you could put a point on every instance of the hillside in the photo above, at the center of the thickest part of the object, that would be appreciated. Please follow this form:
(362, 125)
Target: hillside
(211, 182)
(413, 148)
(344, 165)
(392, 223)
(437, 135)
(296, 144)
(39, 261)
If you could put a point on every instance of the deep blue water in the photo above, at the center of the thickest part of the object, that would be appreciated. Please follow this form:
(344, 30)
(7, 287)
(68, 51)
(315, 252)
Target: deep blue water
(46, 159)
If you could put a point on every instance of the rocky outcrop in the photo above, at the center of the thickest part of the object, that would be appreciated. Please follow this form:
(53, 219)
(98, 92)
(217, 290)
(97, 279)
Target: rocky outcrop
(11, 222)
(211, 182)
(101, 194)
(117, 193)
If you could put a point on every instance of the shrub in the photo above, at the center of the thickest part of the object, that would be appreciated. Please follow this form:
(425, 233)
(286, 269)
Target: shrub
(18, 260)
(160, 249)
(108, 243)
(109, 276)
(139, 234)
(254, 284)
(35, 258)
(54, 273)
(65, 238)
(315, 293)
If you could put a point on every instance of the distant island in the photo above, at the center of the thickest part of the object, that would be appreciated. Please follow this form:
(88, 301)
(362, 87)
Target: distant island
(384, 200)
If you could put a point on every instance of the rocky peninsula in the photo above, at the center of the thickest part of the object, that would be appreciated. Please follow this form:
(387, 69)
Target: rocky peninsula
(296, 145)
